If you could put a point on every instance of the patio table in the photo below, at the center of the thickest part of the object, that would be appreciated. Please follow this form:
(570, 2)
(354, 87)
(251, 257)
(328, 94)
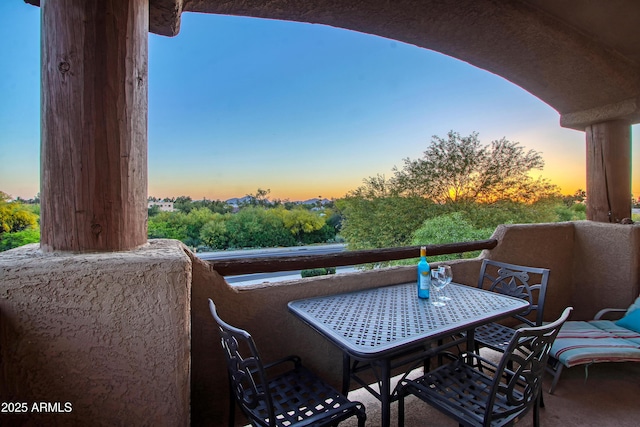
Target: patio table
(389, 327)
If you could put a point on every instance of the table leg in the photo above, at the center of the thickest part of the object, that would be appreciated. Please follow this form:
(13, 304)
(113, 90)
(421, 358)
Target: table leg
(471, 342)
(385, 392)
(346, 373)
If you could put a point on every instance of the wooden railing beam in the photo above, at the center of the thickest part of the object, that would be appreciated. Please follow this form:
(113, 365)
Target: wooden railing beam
(236, 266)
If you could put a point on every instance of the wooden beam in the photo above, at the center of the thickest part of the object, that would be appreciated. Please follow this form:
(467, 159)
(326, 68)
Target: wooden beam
(164, 17)
(94, 125)
(609, 171)
(235, 266)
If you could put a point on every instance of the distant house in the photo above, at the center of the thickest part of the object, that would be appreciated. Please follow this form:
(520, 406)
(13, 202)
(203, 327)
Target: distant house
(163, 206)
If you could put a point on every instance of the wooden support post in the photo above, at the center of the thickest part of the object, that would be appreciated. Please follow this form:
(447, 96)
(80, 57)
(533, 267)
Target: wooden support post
(94, 124)
(609, 171)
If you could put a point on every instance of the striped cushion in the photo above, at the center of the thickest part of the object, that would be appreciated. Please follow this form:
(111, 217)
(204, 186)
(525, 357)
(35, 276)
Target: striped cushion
(594, 342)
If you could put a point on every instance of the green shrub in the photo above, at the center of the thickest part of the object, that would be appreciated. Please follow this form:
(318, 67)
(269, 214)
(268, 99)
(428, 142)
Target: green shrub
(312, 272)
(19, 238)
(450, 228)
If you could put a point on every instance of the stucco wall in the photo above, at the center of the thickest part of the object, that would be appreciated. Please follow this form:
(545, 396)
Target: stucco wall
(605, 267)
(541, 245)
(108, 333)
(593, 265)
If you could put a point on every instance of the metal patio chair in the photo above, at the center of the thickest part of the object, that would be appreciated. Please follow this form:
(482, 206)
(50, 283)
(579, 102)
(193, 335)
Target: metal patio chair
(292, 397)
(516, 281)
(496, 395)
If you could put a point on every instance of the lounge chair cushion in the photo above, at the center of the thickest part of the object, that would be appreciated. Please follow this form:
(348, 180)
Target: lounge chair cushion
(631, 321)
(634, 306)
(594, 342)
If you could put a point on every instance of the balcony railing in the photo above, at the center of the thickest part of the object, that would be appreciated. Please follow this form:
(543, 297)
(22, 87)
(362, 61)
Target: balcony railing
(235, 266)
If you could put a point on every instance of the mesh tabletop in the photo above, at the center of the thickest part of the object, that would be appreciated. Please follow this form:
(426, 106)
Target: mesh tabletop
(374, 321)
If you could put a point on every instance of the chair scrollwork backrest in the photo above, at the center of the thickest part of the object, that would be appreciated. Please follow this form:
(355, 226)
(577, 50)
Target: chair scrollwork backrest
(514, 280)
(518, 378)
(247, 378)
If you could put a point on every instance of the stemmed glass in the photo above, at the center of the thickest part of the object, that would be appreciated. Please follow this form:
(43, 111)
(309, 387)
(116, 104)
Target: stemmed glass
(438, 282)
(445, 272)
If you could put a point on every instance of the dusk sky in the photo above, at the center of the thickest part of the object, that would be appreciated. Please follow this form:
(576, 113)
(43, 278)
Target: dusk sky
(237, 104)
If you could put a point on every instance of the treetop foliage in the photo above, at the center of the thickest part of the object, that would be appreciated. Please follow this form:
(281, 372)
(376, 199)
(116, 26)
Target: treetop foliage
(14, 216)
(448, 228)
(459, 169)
(459, 190)
(18, 223)
(253, 226)
(383, 221)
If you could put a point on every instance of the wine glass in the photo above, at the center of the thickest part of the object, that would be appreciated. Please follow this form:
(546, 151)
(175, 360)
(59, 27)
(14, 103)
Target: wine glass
(438, 282)
(447, 275)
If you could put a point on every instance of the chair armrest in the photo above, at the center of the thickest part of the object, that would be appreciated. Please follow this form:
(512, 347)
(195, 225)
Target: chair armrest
(604, 311)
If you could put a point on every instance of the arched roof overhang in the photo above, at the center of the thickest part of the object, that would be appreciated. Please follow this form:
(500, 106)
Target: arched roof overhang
(580, 57)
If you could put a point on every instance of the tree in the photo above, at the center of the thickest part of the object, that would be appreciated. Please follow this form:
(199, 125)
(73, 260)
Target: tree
(490, 215)
(167, 225)
(254, 227)
(214, 233)
(18, 223)
(194, 221)
(580, 196)
(460, 169)
(213, 205)
(382, 222)
(183, 204)
(450, 228)
(491, 184)
(375, 187)
(300, 221)
(258, 199)
(577, 212)
(14, 216)
(19, 238)
(153, 210)
(261, 197)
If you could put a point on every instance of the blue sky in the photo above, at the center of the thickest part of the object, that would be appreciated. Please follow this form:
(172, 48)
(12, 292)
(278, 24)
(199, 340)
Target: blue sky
(237, 104)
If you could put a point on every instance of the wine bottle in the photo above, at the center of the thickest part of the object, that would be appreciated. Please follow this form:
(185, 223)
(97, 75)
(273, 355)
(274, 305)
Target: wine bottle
(424, 274)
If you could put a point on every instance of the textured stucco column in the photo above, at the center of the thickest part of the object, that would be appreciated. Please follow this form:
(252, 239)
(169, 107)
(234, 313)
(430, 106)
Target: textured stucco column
(609, 171)
(105, 337)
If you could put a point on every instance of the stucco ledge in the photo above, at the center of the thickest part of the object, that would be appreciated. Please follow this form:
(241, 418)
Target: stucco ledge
(105, 335)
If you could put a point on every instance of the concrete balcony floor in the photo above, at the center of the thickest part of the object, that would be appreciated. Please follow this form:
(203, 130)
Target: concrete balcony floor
(609, 397)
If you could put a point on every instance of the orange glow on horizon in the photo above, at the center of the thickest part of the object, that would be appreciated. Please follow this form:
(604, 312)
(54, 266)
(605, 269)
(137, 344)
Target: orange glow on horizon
(225, 192)
(568, 185)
